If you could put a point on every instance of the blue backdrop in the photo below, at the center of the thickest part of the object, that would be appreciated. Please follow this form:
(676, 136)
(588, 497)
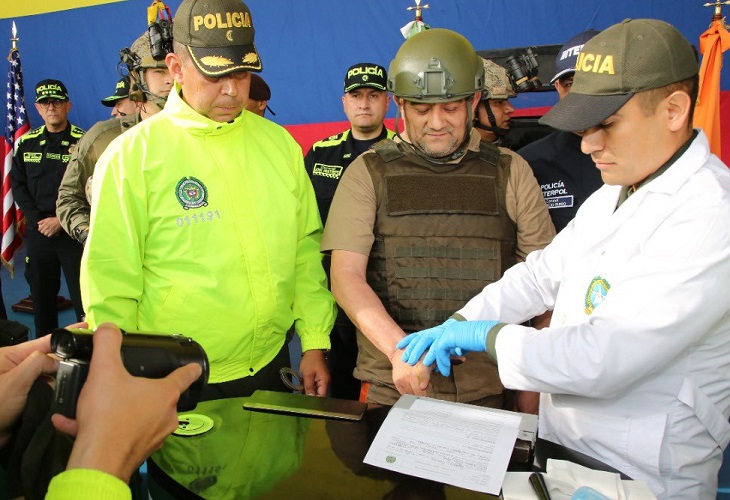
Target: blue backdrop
(306, 46)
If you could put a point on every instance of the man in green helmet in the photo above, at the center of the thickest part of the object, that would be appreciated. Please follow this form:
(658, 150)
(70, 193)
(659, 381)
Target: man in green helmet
(150, 83)
(419, 222)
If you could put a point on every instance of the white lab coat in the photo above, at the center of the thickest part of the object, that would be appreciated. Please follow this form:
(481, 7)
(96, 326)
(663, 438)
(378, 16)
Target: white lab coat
(642, 381)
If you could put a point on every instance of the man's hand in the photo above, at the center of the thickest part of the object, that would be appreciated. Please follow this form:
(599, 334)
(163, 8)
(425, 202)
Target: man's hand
(313, 367)
(49, 226)
(465, 336)
(121, 419)
(20, 366)
(410, 379)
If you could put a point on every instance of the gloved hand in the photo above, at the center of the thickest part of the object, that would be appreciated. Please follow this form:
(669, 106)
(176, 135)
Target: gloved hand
(416, 343)
(445, 340)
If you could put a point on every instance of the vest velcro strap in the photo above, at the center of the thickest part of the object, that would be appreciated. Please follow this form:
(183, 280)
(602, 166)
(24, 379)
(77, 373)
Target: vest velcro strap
(446, 253)
(445, 272)
(388, 150)
(488, 153)
(435, 294)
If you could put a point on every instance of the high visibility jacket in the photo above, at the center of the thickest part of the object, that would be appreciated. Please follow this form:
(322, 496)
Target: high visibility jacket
(210, 230)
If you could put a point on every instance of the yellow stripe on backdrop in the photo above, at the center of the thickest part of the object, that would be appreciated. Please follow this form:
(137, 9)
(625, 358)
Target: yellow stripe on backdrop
(31, 7)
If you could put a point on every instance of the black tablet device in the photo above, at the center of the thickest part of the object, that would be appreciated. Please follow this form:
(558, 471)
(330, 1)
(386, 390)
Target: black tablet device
(290, 403)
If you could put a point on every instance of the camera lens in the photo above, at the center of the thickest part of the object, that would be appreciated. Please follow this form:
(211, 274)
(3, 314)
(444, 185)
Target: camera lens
(71, 344)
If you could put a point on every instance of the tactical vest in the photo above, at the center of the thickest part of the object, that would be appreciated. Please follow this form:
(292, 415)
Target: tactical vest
(442, 233)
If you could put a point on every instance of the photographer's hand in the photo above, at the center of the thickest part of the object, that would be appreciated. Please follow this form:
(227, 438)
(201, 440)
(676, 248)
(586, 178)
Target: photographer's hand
(121, 419)
(20, 366)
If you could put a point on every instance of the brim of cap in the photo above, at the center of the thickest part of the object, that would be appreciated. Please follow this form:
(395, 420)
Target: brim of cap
(561, 73)
(221, 61)
(52, 96)
(111, 101)
(581, 111)
(360, 85)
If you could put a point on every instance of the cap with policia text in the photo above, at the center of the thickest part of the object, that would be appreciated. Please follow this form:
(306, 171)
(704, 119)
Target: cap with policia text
(218, 34)
(259, 90)
(629, 57)
(568, 54)
(50, 89)
(121, 92)
(366, 75)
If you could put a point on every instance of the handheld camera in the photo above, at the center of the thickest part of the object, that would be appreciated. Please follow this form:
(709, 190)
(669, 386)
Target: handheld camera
(522, 71)
(143, 355)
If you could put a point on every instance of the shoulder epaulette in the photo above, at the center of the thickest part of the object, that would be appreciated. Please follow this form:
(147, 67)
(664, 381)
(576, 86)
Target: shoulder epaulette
(332, 140)
(33, 133)
(77, 131)
(388, 150)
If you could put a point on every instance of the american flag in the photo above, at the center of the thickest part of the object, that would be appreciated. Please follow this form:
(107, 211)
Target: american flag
(13, 224)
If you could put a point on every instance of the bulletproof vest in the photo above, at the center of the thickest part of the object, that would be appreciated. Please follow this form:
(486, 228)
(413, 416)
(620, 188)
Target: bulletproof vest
(442, 232)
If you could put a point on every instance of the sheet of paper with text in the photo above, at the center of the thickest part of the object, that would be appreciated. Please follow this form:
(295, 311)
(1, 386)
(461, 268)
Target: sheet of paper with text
(453, 443)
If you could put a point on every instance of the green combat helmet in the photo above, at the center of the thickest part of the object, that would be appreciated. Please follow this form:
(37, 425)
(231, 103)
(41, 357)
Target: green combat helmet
(138, 58)
(497, 84)
(436, 65)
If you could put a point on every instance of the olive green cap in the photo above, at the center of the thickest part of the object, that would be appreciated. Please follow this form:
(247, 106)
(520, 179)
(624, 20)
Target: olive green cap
(218, 34)
(630, 57)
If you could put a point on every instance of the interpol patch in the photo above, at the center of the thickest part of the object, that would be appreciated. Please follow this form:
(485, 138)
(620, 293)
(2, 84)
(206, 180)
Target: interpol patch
(597, 292)
(331, 171)
(191, 193)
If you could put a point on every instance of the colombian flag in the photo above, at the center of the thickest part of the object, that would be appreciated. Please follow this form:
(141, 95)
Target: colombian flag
(713, 43)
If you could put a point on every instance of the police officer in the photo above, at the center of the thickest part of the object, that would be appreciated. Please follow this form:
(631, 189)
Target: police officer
(149, 84)
(494, 112)
(420, 221)
(38, 166)
(365, 103)
(258, 96)
(567, 176)
(119, 101)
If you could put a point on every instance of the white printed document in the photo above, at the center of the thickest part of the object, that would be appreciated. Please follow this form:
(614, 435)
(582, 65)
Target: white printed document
(453, 443)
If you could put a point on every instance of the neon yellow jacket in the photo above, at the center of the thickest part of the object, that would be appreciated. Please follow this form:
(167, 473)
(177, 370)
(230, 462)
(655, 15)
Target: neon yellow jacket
(87, 484)
(210, 230)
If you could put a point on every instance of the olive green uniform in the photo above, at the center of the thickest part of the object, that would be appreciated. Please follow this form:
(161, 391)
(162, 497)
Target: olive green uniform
(73, 207)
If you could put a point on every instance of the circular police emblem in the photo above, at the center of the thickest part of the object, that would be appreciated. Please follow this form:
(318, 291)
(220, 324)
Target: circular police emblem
(596, 293)
(390, 459)
(193, 424)
(365, 78)
(191, 193)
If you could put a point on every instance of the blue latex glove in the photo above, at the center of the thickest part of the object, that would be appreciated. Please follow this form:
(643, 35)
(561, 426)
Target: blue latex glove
(446, 340)
(416, 344)
(469, 336)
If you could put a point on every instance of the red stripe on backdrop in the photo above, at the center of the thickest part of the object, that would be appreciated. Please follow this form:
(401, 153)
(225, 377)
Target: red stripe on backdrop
(306, 135)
